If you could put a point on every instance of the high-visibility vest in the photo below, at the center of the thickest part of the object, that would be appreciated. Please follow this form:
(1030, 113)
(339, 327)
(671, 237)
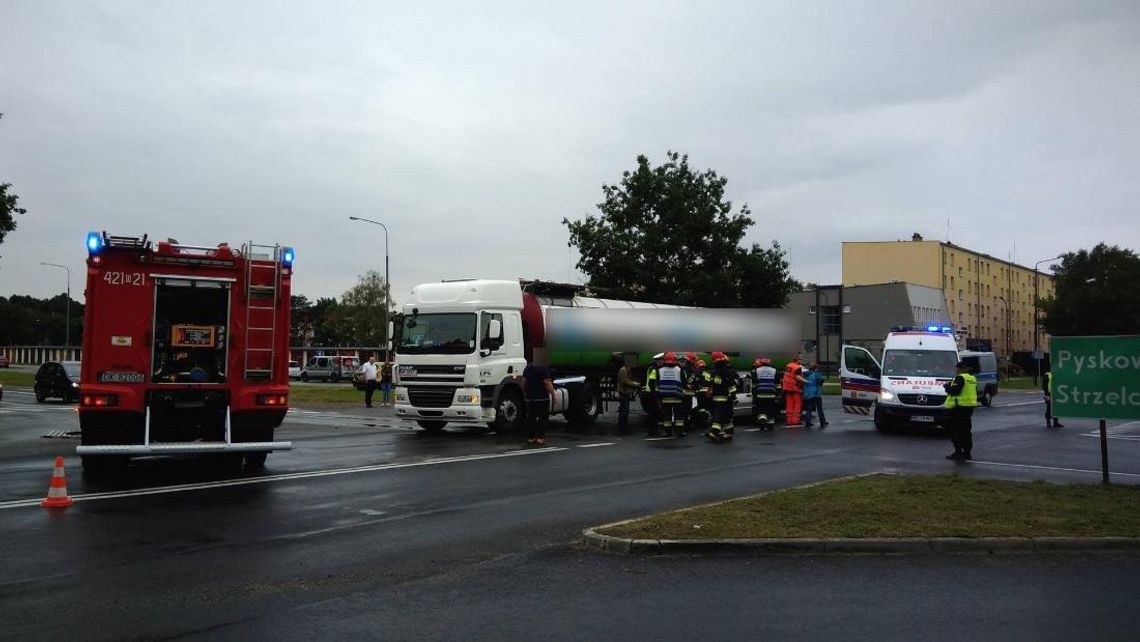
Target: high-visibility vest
(1049, 382)
(764, 382)
(968, 397)
(651, 380)
(790, 383)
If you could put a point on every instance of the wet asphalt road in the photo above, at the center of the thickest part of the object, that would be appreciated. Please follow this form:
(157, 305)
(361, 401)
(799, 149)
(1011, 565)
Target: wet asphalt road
(369, 529)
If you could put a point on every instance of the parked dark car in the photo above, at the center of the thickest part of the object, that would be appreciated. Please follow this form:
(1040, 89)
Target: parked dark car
(58, 379)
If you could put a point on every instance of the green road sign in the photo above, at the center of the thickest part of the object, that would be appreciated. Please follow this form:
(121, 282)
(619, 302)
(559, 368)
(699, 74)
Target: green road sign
(1096, 377)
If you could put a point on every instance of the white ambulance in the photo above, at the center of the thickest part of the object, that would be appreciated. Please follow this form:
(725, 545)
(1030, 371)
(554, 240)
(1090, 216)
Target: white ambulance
(907, 385)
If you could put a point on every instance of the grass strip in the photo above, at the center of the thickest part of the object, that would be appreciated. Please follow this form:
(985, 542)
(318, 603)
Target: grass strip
(11, 377)
(331, 393)
(906, 506)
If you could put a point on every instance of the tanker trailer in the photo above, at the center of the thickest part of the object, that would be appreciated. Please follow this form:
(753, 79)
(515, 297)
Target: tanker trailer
(461, 347)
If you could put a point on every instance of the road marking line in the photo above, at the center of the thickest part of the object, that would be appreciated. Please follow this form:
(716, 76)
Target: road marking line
(1097, 435)
(1020, 403)
(1067, 470)
(658, 438)
(608, 443)
(163, 490)
(751, 430)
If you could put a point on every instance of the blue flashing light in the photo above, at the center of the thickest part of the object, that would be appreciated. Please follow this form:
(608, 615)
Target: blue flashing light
(932, 328)
(287, 256)
(94, 242)
(947, 329)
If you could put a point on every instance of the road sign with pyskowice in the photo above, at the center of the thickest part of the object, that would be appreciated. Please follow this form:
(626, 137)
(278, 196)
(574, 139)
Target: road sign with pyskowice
(1096, 377)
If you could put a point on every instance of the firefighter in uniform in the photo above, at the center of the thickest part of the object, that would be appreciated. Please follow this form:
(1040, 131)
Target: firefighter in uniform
(699, 382)
(688, 364)
(649, 391)
(792, 385)
(671, 395)
(764, 393)
(961, 399)
(1047, 388)
(723, 394)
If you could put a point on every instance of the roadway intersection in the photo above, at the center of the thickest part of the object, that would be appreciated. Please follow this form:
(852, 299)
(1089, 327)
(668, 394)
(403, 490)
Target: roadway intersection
(370, 528)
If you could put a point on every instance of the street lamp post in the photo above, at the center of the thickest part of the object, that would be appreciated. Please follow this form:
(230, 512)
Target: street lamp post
(387, 280)
(67, 329)
(1036, 321)
(1008, 349)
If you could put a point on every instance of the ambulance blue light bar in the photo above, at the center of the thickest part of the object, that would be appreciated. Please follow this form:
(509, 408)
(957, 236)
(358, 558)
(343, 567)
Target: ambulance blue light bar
(941, 329)
(287, 256)
(94, 242)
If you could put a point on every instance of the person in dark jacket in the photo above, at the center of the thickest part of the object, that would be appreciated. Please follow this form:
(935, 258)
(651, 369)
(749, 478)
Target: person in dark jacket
(961, 399)
(538, 386)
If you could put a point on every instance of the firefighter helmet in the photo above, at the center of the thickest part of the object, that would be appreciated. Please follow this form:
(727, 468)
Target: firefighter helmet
(700, 363)
(670, 358)
(691, 356)
(717, 357)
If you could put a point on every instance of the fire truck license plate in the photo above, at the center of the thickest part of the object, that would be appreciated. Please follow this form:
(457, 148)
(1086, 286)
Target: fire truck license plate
(121, 377)
(926, 419)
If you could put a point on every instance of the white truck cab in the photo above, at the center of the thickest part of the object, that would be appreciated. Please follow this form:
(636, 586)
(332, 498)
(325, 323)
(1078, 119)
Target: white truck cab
(906, 385)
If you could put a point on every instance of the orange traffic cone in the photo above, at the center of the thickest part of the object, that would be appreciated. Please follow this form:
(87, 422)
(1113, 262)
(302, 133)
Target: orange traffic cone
(57, 491)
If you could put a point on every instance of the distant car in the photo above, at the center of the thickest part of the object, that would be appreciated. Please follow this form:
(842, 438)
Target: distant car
(57, 379)
(294, 369)
(3, 361)
(332, 369)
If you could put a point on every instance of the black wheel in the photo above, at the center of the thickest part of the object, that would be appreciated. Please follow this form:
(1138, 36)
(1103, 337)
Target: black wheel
(255, 461)
(334, 378)
(509, 411)
(40, 397)
(305, 377)
(986, 399)
(883, 423)
(591, 407)
(432, 426)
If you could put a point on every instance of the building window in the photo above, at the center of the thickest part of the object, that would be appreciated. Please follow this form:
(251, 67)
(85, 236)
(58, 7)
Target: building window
(829, 319)
(959, 271)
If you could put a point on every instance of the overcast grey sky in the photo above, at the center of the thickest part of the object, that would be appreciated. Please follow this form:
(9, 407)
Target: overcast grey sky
(471, 129)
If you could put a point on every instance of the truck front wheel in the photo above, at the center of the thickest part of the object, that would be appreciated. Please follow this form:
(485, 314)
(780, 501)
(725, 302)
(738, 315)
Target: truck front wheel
(508, 411)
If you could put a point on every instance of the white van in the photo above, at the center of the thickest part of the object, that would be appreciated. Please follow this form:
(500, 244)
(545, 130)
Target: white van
(906, 386)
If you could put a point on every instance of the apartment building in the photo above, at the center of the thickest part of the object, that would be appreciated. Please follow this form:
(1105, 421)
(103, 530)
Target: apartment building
(992, 299)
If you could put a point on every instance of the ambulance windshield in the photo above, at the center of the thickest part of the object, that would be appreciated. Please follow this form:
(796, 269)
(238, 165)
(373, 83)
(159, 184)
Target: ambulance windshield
(920, 363)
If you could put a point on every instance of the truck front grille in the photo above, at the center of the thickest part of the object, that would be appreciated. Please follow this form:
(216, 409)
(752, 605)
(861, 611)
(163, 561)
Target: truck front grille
(431, 396)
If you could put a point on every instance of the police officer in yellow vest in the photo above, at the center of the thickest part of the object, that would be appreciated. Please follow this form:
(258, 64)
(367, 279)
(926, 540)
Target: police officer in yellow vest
(1047, 388)
(961, 399)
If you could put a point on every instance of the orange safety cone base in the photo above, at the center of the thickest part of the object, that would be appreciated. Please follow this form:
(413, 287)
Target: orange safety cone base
(57, 491)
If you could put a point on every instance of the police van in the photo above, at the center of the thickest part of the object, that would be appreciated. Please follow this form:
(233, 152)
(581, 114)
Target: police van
(905, 386)
(983, 365)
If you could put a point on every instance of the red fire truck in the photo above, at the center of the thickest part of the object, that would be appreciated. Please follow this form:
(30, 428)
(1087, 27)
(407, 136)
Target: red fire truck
(185, 350)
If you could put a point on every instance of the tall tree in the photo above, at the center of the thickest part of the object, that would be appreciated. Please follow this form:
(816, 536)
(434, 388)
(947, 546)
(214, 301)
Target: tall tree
(365, 309)
(1095, 292)
(8, 208)
(666, 234)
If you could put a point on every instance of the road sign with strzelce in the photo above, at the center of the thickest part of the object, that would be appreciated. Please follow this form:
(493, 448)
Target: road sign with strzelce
(1096, 377)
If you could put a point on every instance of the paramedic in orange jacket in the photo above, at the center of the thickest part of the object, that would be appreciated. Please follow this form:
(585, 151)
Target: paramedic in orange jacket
(793, 387)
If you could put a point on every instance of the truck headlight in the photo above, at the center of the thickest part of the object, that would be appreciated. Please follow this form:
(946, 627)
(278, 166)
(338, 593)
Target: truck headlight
(886, 395)
(471, 398)
(401, 396)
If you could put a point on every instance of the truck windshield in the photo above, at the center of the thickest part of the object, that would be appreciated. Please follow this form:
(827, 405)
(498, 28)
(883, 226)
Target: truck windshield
(437, 334)
(920, 363)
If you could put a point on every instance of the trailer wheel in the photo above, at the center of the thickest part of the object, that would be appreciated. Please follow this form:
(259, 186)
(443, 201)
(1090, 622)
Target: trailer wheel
(255, 461)
(432, 426)
(508, 411)
(590, 409)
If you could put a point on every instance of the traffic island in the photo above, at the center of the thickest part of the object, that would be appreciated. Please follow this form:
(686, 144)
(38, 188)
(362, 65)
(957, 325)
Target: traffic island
(888, 513)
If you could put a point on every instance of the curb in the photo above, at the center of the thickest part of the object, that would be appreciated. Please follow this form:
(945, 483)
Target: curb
(816, 546)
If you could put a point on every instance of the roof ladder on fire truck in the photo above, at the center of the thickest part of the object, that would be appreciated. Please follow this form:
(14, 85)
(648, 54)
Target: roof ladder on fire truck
(263, 291)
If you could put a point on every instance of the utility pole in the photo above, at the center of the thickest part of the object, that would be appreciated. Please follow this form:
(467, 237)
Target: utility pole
(387, 282)
(1036, 321)
(67, 329)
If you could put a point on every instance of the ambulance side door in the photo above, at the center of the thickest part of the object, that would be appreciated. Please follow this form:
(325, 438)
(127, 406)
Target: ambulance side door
(859, 379)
